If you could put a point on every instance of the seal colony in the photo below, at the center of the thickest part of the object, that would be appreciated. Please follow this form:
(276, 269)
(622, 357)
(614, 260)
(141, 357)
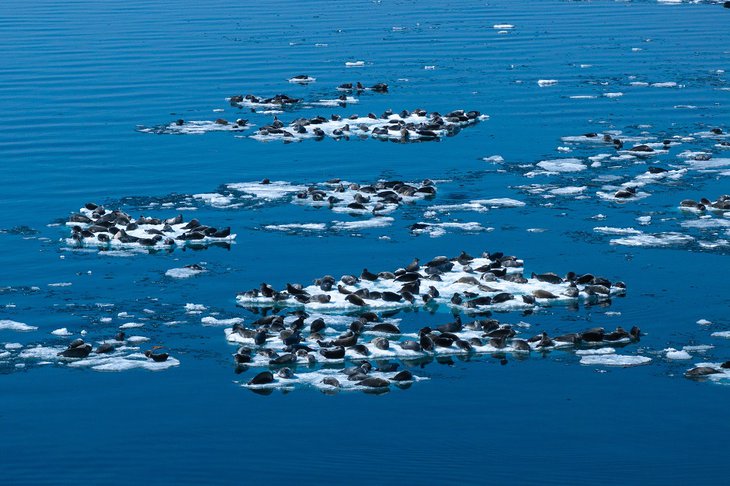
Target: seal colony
(296, 346)
(96, 226)
(197, 127)
(493, 281)
(415, 126)
(300, 349)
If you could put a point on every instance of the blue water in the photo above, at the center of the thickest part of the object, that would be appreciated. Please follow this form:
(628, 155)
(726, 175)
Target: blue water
(77, 78)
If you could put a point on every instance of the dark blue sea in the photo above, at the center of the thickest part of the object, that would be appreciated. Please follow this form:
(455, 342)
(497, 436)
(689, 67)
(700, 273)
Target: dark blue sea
(84, 82)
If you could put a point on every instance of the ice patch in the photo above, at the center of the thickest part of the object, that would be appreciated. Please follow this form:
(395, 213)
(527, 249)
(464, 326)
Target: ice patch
(212, 321)
(184, 272)
(61, 332)
(7, 325)
(674, 354)
(655, 240)
(614, 360)
(547, 82)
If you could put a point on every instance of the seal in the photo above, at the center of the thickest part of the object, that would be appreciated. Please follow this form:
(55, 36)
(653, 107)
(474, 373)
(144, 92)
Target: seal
(263, 378)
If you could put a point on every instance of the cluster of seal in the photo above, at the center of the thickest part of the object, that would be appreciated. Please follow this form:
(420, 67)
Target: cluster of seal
(380, 197)
(96, 226)
(722, 204)
(418, 125)
(284, 342)
(491, 281)
(358, 87)
(253, 101)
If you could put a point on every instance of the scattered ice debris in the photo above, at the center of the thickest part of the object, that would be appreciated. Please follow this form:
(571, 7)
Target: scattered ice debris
(97, 227)
(194, 308)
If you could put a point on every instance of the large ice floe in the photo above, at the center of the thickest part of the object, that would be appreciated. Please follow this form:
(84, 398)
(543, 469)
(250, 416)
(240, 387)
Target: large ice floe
(98, 227)
(415, 126)
(490, 281)
(301, 349)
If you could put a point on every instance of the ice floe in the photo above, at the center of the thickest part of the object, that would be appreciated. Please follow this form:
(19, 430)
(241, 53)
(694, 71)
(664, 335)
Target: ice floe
(97, 227)
(491, 281)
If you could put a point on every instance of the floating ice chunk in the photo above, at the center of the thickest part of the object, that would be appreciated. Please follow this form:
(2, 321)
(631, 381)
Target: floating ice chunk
(617, 94)
(296, 227)
(378, 222)
(131, 325)
(500, 202)
(60, 284)
(721, 334)
(562, 165)
(436, 230)
(674, 354)
(429, 68)
(212, 321)
(495, 159)
(590, 352)
(137, 339)
(614, 360)
(608, 230)
(7, 325)
(644, 220)
(13, 346)
(184, 272)
(355, 63)
(61, 332)
(704, 322)
(668, 84)
(568, 190)
(270, 191)
(547, 82)
(503, 26)
(302, 79)
(655, 240)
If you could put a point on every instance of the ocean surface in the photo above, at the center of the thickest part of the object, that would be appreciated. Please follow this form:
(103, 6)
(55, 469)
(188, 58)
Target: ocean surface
(82, 81)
